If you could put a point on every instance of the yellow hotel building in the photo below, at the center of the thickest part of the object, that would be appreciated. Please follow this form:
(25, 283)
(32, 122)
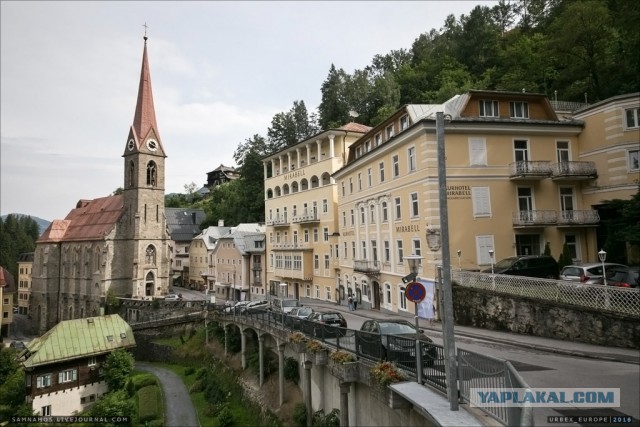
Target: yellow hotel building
(520, 176)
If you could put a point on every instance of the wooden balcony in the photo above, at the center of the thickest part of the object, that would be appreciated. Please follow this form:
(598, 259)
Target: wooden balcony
(529, 171)
(574, 171)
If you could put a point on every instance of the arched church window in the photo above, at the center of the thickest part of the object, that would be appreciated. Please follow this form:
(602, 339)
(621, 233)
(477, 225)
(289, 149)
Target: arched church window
(150, 257)
(151, 174)
(132, 173)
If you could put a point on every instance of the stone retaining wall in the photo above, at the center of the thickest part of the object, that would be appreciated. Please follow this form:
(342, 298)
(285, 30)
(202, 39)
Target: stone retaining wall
(502, 312)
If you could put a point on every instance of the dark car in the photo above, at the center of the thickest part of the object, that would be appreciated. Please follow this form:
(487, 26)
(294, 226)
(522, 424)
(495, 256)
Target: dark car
(623, 277)
(542, 266)
(394, 340)
(17, 345)
(325, 324)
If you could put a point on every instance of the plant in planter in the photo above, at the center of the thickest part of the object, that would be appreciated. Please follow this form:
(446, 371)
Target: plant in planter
(297, 337)
(340, 357)
(385, 373)
(315, 346)
(318, 351)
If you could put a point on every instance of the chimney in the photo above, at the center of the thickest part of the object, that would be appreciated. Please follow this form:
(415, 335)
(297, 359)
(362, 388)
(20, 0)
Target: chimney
(221, 223)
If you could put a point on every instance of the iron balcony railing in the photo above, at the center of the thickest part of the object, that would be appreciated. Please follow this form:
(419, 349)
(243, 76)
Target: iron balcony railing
(588, 217)
(278, 220)
(366, 267)
(530, 170)
(537, 218)
(306, 216)
(574, 170)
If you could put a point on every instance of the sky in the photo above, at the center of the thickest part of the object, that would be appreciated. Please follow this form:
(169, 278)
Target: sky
(220, 71)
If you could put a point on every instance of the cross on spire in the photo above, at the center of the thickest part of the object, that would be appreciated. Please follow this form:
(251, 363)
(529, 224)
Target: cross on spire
(145, 30)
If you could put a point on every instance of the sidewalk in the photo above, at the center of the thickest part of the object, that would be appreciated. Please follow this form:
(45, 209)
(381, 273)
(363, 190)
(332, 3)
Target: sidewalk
(551, 345)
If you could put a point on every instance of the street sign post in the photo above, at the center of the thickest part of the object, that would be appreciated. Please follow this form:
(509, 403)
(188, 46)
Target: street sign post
(415, 292)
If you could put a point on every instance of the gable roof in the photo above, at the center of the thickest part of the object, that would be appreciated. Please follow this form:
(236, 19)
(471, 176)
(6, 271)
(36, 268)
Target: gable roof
(90, 220)
(7, 282)
(211, 235)
(79, 338)
(184, 224)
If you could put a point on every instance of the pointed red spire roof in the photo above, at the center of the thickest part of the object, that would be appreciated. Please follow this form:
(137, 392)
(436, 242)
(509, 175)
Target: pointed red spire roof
(145, 116)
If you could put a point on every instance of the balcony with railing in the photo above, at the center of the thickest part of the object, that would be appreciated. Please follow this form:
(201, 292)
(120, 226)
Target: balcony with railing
(306, 217)
(366, 267)
(578, 218)
(278, 221)
(534, 218)
(284, 246)
(574, 171)
(527, 170)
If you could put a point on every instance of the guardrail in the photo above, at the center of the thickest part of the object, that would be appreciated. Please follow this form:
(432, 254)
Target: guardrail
(608, 298)
(474, 370)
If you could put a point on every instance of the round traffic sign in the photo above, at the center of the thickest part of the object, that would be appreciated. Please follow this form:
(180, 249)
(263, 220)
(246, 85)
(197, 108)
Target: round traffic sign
(415, 292)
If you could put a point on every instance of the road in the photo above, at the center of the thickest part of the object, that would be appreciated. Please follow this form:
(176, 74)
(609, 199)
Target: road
(545, 369)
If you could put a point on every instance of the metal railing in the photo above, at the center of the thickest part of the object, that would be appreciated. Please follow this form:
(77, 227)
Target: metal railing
(474, 370)
(482, 371)
(574, 217)
(608, 298)
(574, 169)
(530, 169)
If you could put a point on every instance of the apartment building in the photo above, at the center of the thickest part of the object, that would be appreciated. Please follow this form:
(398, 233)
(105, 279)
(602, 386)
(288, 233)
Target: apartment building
(201, 267)
(183, 225)
(301, 214)
(25, 265)
(516, 182)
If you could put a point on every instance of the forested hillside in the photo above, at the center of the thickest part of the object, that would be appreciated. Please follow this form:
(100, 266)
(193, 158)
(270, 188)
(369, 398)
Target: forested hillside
(18, 234)
(569, 50)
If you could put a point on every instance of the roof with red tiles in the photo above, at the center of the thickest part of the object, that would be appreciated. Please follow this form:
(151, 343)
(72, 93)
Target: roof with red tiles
(355, 127)
(90, 220)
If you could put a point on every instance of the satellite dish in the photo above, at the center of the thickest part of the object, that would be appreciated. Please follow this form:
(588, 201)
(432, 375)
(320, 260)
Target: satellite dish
(353, 114)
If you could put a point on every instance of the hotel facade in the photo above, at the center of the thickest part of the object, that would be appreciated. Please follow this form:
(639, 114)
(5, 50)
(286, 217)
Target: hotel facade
(520, 177)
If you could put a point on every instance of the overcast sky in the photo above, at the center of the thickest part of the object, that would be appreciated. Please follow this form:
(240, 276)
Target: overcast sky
(220, 71)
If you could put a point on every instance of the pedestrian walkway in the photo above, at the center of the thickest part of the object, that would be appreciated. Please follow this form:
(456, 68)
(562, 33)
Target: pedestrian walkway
(551, 345)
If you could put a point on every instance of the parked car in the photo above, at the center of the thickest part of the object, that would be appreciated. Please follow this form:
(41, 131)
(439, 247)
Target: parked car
(325, 324)
(394, 340)
(542, 266)
(280, 306)
(235, 308)
(254, 306)
(296, 315)
(627, 277)
(173, 297)
(17, 345)
(587, 274)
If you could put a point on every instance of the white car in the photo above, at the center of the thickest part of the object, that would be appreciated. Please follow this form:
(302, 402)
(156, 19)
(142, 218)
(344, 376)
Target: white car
(172, 297)
(236, 308)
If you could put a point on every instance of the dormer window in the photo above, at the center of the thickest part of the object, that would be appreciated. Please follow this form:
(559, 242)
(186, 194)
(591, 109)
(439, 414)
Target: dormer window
(519, 110)
(389, 132)
(377, 140)
(489, 108)
(358, 152)
(404, 122)
(367, 146)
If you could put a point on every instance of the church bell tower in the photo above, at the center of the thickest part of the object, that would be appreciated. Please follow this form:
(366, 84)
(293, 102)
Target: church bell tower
(144, 222)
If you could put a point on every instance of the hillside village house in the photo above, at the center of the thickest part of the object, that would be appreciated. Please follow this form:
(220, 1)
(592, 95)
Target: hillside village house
(519, 177)
(183, 225)
(116, 244)
(25, 265)
(64, 367)
(228, 261)
(7, 293)
(302, 227)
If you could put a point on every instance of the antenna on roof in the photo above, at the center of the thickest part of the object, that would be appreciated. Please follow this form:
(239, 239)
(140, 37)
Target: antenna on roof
(353, 114)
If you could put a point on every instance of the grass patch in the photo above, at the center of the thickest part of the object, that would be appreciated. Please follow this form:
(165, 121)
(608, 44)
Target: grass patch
(149, 403)
(173, 342)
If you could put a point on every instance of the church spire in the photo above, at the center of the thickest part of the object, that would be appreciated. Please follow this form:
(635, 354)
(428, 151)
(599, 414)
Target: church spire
(145, 117)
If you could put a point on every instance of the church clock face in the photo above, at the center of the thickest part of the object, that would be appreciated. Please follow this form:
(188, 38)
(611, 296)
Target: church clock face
(152, 145)
(131, 144)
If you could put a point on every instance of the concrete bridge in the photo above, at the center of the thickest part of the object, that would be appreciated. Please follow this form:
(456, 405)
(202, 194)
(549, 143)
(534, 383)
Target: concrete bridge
(327, 384)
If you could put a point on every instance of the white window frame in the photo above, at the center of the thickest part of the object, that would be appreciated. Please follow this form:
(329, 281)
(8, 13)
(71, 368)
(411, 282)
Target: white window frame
(492, 105)
(396, 166)
(400, 251)
(43, 381)
(398, 208)
(377, 139)
(634, 115)
(381, 171)
(404, 122)
(385, 211)
(389, 131)
(411, 159)
(519, 110)
(415, 207)
(633, 159)
(481, 200)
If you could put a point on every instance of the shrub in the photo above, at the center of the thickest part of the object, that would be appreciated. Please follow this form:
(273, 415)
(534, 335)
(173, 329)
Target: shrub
(385, 373)
(201, 373)
(213, 392)
(300, 415)
(196, 387)
(143, 380)
(189, 371)
(148, 403)
(297, 337)
(291, 370)
(314, 346)
(224, 416)
(341, 356)
(332, 419)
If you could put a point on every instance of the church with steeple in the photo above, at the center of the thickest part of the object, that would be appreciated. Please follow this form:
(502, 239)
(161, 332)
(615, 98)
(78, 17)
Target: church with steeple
(114, 246)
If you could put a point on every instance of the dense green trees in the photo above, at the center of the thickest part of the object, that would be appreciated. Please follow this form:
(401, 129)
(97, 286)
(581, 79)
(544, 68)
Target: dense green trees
(18, 234)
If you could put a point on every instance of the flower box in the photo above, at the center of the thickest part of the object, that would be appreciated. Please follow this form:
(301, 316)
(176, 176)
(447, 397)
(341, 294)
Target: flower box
(347, 372)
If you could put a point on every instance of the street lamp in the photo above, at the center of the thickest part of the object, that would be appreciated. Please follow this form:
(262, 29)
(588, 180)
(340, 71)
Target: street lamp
(493, 279)
(603, 256)
(414, 263)
(459, 255)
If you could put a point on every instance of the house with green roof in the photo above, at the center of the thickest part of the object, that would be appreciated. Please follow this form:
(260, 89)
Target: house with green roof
(63, 367)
